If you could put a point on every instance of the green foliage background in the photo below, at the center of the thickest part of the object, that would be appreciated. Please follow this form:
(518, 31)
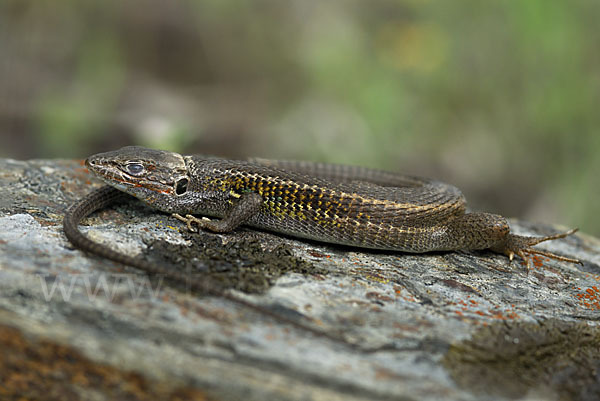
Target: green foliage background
(498, 97)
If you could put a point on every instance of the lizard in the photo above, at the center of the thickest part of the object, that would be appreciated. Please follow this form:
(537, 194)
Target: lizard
(347, 205)
(338, 204)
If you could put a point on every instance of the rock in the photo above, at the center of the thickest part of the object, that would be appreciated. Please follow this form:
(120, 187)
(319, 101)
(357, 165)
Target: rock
(453, 326)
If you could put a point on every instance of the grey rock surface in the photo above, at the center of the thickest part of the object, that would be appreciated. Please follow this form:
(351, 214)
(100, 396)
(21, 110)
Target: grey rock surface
(452, 326)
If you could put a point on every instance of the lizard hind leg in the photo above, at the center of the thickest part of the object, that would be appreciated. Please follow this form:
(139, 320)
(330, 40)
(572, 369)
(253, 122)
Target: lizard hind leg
(522, 246)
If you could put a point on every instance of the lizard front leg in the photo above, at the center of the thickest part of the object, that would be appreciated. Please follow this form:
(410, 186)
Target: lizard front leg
(246, 206)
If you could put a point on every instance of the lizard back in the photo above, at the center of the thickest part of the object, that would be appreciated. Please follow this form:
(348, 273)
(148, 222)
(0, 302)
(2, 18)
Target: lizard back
(339, 204)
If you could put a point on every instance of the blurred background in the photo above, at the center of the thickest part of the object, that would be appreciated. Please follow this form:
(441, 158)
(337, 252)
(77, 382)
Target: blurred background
(499, 98)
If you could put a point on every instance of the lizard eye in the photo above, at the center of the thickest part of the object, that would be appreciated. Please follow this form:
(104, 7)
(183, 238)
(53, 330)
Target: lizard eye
(134, 168)
(181, 186)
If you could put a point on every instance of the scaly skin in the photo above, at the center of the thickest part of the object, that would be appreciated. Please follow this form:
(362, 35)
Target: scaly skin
(336, 204)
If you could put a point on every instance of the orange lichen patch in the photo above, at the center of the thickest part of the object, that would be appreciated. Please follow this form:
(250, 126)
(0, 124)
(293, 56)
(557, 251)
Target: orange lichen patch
(504, 315)
(589, 276)
(589, 298)
(404, 294)
(467, 307)
(537, 260)
(33, 369)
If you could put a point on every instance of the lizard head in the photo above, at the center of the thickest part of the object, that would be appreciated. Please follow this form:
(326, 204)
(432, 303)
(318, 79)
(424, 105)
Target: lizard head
(154, 176)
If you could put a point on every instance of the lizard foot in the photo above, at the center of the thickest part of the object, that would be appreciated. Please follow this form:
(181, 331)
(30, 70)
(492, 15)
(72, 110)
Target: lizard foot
(189, 220)
(522, 246)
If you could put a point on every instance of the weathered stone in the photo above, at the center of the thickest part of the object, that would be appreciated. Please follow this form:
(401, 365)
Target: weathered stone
(454, 326)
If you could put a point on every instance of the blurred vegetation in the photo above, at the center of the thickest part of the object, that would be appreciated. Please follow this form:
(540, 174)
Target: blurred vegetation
(498, 97)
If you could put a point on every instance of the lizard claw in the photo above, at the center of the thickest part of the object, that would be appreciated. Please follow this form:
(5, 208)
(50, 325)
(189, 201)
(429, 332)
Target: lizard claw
(189, 220)
(522, 246)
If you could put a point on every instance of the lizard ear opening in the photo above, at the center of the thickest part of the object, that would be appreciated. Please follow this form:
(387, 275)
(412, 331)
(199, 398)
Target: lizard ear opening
(181, 186)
